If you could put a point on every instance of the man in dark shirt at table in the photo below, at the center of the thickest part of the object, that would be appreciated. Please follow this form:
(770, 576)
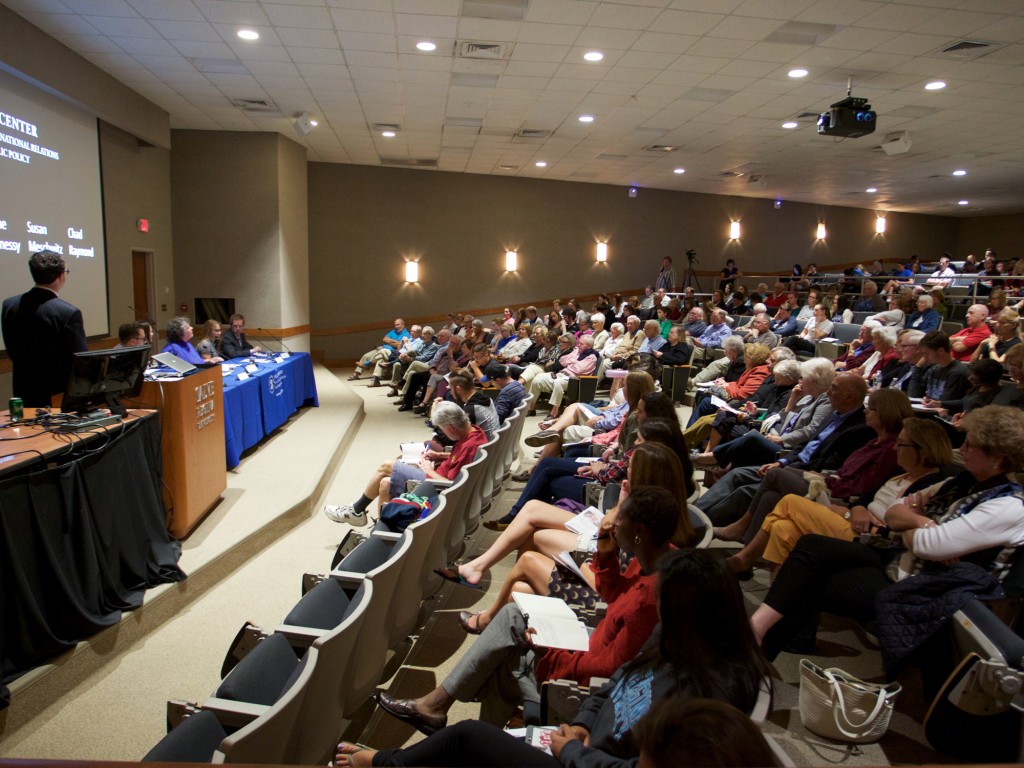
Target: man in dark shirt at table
(42, 332)
(233, 343)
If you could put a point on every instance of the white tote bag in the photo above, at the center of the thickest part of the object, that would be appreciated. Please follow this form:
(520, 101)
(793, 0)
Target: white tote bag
(839, 706)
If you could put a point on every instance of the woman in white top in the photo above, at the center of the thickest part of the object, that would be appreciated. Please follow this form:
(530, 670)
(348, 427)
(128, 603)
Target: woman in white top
(976, 517)
(894, 316)
(818, 327)
(922, 449)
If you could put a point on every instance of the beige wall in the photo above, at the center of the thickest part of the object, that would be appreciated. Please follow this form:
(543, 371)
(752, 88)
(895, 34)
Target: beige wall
(294, 242)
(239, 214)
(364, 221)
(136, 184)
(29, 53)
(1003, 233)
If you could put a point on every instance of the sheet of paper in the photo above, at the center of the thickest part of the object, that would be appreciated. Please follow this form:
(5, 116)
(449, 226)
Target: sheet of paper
(721, 404)
(586, 522)
(412, 453)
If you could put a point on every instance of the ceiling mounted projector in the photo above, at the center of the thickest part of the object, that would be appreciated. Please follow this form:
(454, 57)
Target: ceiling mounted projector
(849, 118)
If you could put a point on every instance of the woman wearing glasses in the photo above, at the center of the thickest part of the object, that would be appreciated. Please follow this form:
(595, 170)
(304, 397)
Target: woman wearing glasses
(975, 517)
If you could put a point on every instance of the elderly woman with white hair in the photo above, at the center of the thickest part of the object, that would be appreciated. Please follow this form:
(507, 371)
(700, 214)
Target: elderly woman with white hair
(925, 318)
(601, 335)
(860, 349)
(391, 476)
(808, 407)
(885, 359)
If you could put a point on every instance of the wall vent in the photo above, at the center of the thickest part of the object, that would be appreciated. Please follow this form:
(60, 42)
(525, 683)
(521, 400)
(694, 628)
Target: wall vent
(409, 162)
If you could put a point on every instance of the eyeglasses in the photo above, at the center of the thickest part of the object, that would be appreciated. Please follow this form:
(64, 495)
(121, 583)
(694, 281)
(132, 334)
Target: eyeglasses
(906, 445)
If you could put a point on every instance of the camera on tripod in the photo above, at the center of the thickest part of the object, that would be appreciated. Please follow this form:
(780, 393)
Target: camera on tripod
(691, 255)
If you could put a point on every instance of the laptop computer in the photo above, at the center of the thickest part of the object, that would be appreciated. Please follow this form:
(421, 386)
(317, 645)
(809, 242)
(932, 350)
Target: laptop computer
(175, 363)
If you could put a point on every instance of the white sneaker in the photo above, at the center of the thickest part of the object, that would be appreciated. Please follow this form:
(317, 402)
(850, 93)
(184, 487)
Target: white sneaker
(345, 513)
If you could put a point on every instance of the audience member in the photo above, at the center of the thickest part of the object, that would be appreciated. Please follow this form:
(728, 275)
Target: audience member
(391, 476)
(713, 658)
(946, 377)
(976, 517)
(390, 344)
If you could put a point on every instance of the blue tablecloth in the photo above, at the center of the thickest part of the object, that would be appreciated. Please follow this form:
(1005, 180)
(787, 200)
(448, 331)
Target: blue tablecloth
(257, 406)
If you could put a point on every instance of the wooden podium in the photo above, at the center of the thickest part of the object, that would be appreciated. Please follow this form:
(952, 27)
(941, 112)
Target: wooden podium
(191, 412)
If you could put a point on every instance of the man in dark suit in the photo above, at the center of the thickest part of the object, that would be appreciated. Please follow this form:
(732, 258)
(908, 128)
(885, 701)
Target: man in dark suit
(42, 332)
(233, 343)
(836, 439)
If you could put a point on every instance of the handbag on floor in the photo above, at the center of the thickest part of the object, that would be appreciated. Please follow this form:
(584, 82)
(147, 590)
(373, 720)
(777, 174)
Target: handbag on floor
(839, 706)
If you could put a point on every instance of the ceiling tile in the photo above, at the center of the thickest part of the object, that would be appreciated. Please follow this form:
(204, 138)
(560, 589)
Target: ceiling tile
(232, 12)
(297, 16)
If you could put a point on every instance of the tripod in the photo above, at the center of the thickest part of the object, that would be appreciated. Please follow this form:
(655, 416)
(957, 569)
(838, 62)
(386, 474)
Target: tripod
(691, 280)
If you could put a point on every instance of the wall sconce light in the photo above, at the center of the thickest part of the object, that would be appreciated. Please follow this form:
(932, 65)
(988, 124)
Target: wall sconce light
(602, 253)
(511, 261)
(880, 225)
(734, 230)
(412, 271)
(820, 234)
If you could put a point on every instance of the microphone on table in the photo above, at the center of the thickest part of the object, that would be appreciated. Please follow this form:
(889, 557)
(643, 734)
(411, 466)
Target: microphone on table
(275, 338)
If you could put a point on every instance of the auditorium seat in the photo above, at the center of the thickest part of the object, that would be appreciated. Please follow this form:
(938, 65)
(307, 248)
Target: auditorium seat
(258, 705)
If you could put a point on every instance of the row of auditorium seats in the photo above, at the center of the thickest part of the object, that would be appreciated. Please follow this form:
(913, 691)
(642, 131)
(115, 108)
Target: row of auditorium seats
(287, 698)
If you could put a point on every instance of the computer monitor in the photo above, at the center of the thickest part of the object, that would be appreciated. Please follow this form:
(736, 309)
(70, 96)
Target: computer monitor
(100, 379)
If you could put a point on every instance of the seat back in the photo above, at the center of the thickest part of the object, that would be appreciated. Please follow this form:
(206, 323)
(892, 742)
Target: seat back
(457, 529)
(674, 380)
(370, 651)
(328, 697)
(405, 608)
(194, 740)
(517, 435)
(437, 554)
(487, 483)
(273, 737)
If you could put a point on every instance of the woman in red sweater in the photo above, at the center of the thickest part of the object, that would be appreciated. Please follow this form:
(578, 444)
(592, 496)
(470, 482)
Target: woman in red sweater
(497, 668)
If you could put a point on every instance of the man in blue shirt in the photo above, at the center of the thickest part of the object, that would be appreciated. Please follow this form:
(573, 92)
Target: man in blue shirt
(695, 325)
(390, 343)
(784, 323)
(653, 340)
(713, 335)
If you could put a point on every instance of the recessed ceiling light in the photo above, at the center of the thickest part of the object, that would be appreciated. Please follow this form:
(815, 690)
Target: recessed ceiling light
(593, 55)
(934, 85)
(959, 172)
(796, 73)
(388, 134)
(541, 164)
(790, 125)
(679, 170)
(426, 45)
(871, 190)
(248, 34)
(314, 123)
(964, 202)
(586, 118)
